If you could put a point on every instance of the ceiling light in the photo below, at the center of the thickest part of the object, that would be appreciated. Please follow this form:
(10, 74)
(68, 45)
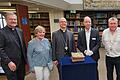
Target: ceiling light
(7, 9)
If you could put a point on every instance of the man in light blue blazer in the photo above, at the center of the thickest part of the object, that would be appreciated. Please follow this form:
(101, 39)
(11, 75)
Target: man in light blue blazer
(62, 42)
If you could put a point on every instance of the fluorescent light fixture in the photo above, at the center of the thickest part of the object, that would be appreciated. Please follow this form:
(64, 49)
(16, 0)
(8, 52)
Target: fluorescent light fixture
(32, 11)
(7, 9)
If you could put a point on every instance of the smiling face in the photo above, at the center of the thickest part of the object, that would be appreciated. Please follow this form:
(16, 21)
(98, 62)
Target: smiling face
(87, 23)
(11, 20)
(40, 32)
(63, 23)
(113, 24)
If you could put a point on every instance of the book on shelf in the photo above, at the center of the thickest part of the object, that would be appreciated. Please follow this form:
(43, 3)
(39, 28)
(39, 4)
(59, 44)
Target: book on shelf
(77, 22)
(81, 24)
(78, 16)
(71, 29)
(71, 23)
(47, 29)
(102, 21)
(119, 22)
(101, 15)
(72, 16)
(118, 16)
(100, 33)
(75, 28)
(67, 16)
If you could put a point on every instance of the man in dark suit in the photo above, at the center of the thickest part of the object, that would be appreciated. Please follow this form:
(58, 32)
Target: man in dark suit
(12, 49)
(89, 41)
(62, 42)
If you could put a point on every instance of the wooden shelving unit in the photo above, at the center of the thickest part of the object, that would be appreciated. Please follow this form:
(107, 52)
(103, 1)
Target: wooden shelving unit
(42, 19)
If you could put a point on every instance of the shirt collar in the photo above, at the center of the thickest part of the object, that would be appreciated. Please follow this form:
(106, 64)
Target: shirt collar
(11, 28)
(63, 30)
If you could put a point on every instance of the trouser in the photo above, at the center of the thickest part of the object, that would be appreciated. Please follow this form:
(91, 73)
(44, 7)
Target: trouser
(97, 72)
(96, 67)
(19, 74)
(42, 73)
(110, 63)
(59, 71)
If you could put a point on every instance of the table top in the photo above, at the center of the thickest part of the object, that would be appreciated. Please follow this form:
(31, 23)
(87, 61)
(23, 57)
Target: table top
(67, 61)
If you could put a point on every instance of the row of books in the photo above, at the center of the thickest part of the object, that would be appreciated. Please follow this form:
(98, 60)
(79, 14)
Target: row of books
(98, 15)
(72, 16)
(78, 28)
(38, 16)
(101, 15)
(42, 23)
(81, 16)
(100, 21)
(75, 29)
(75, 23)
(47, 30)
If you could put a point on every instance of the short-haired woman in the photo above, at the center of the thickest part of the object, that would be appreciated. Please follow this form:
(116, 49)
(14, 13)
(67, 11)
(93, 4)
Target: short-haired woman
(39, 54)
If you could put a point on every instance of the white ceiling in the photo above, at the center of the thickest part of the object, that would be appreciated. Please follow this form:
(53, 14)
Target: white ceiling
(53, 4)
(74, 1)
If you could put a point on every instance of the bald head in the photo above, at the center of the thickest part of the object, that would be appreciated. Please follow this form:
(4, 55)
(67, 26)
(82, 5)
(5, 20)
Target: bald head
(87, 22)
(87, 18)
(63, 23)
(62, 19)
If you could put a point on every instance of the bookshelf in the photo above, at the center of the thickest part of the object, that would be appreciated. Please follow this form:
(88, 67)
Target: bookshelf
(99, 20)
(41, 18)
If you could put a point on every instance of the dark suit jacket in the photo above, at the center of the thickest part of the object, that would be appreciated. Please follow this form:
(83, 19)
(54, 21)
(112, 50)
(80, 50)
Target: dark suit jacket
(58, 44)
(10, 48)
(94, 43)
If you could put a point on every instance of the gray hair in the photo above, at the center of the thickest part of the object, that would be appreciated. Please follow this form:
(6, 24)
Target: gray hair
(8, 14)
(39, 29)
(112, 19)
(62, 19)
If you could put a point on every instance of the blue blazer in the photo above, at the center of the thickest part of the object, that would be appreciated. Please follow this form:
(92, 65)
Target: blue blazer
(94, 43)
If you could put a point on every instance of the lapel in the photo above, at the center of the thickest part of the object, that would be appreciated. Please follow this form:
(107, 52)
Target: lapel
(11, 36)
(68, 38)
(84, 39)
(91, 34)
(19, 35)
(61, 37)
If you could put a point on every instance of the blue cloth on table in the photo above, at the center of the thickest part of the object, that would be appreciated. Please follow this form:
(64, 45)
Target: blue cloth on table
(83, 70)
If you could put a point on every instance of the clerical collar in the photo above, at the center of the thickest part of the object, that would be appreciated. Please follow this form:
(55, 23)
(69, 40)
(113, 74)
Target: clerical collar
(63, 30)
(11, 28)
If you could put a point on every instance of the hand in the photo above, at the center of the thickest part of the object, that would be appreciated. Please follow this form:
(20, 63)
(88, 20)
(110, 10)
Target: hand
(12, 66)
(55, 62)
(33, 71)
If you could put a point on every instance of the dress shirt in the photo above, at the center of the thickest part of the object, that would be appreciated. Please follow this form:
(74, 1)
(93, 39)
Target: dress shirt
(111, 42)
(87, 33)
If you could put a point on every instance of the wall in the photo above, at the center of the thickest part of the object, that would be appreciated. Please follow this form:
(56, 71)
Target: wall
(53, 14)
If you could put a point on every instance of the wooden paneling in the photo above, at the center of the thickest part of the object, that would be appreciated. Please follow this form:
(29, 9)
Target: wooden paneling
(23, 21)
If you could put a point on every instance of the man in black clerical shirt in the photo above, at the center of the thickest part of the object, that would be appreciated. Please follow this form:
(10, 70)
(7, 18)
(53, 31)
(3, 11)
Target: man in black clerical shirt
(12, 49)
